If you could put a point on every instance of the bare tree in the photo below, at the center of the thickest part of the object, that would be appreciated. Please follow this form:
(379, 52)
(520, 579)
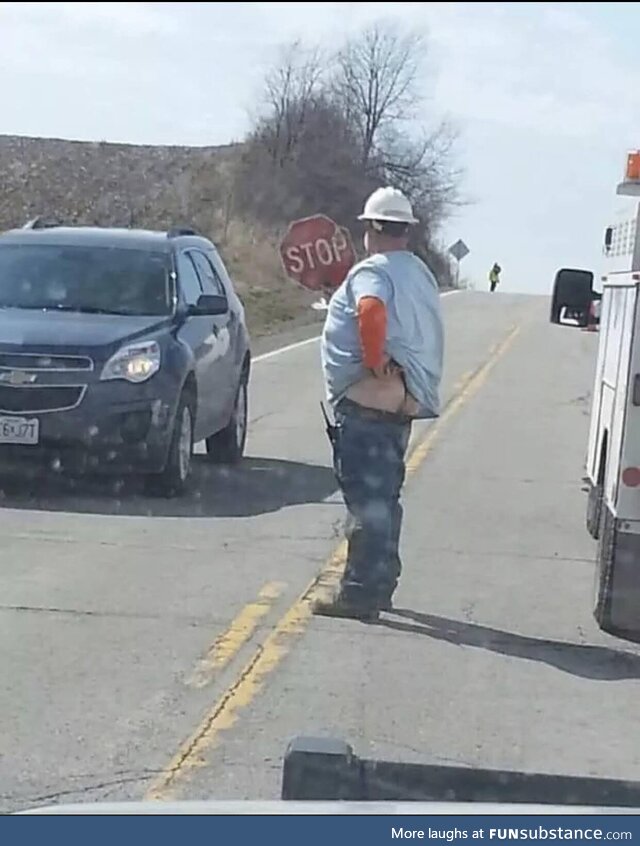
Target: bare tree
(424, 168)
(329, 134)
(290, 88)
(377, 80)
(322, 172)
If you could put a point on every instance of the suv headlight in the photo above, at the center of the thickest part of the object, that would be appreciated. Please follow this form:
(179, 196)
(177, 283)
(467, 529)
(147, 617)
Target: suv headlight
(135, 363)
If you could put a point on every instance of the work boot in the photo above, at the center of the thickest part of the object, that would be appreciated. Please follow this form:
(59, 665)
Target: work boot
(384, 598)
(342, 608)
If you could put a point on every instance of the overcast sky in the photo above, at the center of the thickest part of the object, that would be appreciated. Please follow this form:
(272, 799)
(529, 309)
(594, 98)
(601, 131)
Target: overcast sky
(546, 96)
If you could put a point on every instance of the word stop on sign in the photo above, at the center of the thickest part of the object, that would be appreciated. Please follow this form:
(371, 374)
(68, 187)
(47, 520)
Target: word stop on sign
(317, 253)
(321, 252)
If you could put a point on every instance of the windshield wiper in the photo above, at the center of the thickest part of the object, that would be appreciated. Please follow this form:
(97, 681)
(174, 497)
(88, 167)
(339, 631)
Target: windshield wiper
(79, 309)
(90, 310)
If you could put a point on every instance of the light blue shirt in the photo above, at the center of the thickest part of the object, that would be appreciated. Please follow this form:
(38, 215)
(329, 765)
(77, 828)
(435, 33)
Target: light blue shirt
(415, 333)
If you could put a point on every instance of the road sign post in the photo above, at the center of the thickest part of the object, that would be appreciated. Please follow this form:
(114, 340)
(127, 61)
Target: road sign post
(458, 250)
(317, 253)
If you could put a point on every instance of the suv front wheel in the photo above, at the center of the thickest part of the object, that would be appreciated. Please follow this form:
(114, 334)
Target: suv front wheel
(227, 445)
(174, 479)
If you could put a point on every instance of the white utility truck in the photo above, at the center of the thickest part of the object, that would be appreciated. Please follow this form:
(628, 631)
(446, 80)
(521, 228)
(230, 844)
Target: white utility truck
(613, 455)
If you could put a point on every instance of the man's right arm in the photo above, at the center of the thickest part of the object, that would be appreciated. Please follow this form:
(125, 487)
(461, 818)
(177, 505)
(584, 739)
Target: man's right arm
(371, 293)
(372, 329)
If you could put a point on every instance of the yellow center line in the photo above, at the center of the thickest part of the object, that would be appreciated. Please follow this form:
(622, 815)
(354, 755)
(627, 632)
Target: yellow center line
(226, 711)
(233, 639)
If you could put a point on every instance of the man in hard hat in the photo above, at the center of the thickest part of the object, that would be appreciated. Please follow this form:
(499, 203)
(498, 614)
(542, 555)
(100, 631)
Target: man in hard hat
(494, 277)
(382, 350)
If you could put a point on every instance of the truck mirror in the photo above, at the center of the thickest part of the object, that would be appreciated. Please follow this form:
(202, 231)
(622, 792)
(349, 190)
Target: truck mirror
(571, 297)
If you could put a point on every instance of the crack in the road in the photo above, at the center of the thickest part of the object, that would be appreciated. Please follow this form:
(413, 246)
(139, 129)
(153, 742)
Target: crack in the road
(24, 536)
(252, 673)
(498, 553)
(78, 612)
(261, 417)
(525, 480)
(27, 801)
(165, 618)
(120, 779)
(172, 772)
(166, 546)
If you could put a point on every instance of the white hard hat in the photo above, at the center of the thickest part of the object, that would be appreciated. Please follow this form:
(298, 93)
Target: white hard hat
(388, 204)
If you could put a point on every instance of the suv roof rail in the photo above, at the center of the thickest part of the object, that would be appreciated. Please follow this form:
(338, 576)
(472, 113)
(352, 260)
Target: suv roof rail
(40, 223)
(177, 231)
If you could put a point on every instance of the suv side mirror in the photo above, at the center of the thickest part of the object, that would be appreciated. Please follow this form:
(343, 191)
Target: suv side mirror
(209, 305)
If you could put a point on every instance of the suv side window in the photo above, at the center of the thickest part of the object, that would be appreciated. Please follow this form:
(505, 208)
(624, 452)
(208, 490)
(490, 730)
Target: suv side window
(188, 279)
(211, 283)
(221, 270)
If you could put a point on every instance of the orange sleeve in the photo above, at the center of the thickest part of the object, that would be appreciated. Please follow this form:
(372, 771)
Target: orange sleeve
(372, 326)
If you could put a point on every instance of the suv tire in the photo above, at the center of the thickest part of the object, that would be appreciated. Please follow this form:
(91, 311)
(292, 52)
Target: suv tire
(174, 479)
(227, 445)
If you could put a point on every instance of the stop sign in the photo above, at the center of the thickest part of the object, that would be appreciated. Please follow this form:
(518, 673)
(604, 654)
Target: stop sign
(317, 253)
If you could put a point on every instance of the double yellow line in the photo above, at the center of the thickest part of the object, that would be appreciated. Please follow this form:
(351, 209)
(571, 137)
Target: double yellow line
(225, 712)
(239, 632)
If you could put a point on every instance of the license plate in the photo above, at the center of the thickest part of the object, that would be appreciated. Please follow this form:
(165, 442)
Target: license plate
(19, 430)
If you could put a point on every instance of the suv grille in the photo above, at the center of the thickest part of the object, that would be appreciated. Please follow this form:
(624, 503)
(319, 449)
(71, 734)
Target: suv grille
(31, 361)
(34, 400)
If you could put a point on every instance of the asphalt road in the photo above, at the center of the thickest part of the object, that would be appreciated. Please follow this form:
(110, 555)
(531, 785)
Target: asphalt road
(165, 648)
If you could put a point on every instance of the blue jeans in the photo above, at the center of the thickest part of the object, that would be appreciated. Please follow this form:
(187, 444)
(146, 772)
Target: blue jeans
(369, 461)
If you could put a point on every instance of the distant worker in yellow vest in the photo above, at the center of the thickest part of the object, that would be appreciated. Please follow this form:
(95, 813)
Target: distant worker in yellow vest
(494, 277)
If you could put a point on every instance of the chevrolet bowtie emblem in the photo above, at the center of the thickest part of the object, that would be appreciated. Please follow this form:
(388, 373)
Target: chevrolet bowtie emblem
(17, 377)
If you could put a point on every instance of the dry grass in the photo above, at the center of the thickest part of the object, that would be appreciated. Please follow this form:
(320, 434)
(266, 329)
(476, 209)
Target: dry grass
(271, 300)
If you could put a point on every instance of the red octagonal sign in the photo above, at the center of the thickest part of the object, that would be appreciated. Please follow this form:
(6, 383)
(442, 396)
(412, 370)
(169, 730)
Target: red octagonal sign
(317, 253)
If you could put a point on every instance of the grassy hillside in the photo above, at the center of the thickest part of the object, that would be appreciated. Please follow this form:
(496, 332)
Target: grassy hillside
(152, 187)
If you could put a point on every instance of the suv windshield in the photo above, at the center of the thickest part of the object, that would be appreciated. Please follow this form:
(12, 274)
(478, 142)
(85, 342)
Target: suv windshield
(85, 279)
